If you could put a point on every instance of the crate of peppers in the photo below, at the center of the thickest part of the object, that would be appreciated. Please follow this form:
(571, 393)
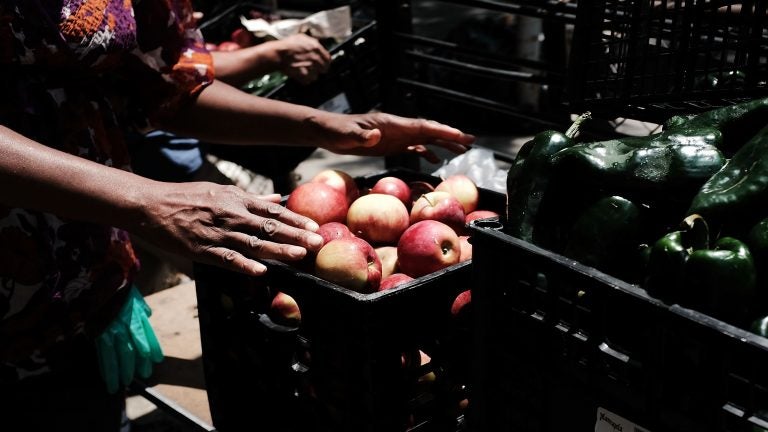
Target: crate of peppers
(627, 286)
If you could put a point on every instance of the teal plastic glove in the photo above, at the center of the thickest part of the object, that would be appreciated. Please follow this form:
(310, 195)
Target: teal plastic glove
(128, 347)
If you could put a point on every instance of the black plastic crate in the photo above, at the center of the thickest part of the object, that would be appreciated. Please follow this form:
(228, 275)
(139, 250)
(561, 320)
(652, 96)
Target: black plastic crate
(351, 85)
(649, 59)
(560, 343)
(340, 370)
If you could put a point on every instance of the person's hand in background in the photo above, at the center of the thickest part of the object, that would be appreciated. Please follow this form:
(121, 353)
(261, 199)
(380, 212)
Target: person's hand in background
(299, 56)
(302, 57)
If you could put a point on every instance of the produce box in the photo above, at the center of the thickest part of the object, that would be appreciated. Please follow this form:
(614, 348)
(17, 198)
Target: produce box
(395, 360)
(562, 346)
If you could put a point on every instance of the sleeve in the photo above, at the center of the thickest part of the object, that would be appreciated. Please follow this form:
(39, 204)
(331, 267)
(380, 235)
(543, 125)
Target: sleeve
(170, 63)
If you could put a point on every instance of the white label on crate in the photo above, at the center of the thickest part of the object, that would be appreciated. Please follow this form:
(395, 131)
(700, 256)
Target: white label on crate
(337, 104)
(610, 422)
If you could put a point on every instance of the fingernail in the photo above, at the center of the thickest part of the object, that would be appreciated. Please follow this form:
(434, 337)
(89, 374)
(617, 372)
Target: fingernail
(259, 268)
(312, 226)
(296, 252)
(315, 240)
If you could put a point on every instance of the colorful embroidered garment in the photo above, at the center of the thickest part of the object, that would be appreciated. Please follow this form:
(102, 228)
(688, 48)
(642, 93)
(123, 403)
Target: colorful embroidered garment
(76, 75)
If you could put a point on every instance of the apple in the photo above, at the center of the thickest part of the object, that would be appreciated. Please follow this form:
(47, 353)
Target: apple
(479, 214)
(393, 280)
(333, 231)
(388, 257)
(378, 218)
(427, 246)
(243, 37)
(395, 187)
(462, 300)
(439, 206)
(351, 263)
(463, 189)
(319, 202)
(466, 249)
(340, 181)
(284, 310)
(229, 46)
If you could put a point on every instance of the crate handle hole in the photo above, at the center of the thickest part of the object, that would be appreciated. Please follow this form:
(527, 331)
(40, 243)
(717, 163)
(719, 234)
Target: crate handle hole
(490, 223)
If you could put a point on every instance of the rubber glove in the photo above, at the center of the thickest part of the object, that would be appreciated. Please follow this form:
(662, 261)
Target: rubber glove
(128, 346)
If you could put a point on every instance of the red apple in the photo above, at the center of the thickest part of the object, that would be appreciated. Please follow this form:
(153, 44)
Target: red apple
(334, 231)
(461, 301)
(426, 247)
(319, 202)
(243, 37)
(439, 206)
(284, 310)
(466, 248)
(229, 46)
(479, 214)
(351, 263)
(393, 280)
(378, 218)
(463, 189)
(340, 181)
(388, 257)
(395, 187)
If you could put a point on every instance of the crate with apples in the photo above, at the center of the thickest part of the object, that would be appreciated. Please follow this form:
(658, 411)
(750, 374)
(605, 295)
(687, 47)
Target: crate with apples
(371, 333)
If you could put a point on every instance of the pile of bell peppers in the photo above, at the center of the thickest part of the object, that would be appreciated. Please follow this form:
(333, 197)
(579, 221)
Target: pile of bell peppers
(683, 212)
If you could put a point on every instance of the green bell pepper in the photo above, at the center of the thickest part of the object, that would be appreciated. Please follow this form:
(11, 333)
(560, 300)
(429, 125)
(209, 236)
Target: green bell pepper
(721, 281)
(718, 281)
(737, 195)
(757, 241)
(605, 237)
(671, 165)
(668, 255)
(528, 177)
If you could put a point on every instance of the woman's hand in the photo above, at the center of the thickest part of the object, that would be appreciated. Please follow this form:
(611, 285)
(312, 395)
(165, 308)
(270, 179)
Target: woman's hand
(379, 134)
(225, 226)
(302, 57)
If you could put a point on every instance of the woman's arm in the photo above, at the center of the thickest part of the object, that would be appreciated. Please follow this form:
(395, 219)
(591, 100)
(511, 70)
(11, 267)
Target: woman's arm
(206, 222)
(226, 115)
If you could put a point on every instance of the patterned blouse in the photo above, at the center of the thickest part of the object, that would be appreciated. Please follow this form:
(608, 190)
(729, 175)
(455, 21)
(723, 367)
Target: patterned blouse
(77, 75)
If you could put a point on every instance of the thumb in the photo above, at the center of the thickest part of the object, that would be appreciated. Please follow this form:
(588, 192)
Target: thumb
(370, 137)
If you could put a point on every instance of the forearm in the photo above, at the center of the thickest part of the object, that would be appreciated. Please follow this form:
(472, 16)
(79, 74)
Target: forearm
(238, 67)
(38, 177)
(226, 115)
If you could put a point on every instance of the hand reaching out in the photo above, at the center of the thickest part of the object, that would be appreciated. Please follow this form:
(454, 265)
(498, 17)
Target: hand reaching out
(226, 226)
(380, 134)
(302, 57)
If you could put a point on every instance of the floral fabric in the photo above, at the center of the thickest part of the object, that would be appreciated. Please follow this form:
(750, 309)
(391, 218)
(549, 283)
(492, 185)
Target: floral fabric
(76, 75)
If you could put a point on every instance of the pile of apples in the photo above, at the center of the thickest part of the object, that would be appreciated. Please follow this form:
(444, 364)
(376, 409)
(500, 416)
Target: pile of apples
(379, 238)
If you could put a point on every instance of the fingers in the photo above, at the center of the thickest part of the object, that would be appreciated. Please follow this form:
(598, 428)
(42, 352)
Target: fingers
(450, 146)
(275, 198)
(437, 131)
(424, 152)
(238, 249)
(255, 247)
(273, 210)
(235, 261)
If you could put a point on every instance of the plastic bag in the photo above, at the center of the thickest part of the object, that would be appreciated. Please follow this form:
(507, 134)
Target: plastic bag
(480, 165)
